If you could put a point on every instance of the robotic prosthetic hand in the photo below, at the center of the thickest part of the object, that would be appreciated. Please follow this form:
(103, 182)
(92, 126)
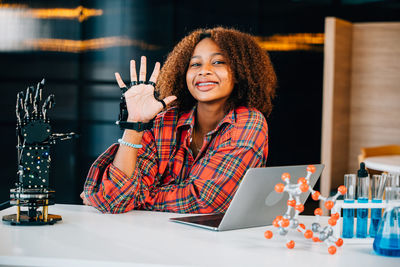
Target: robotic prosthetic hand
(34, 137)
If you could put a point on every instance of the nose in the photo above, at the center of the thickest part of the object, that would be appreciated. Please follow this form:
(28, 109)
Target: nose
(206, 69)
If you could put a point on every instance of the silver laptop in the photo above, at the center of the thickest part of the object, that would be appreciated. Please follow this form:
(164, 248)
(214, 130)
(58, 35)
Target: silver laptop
(255, 203)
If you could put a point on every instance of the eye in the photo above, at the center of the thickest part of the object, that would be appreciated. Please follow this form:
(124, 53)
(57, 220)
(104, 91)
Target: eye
(217, 62)
(194, 64)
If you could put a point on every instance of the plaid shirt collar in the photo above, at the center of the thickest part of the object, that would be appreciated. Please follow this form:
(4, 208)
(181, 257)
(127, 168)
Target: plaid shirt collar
(188, 119)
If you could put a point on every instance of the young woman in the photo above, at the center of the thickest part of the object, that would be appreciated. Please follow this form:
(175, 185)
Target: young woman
(218, 82)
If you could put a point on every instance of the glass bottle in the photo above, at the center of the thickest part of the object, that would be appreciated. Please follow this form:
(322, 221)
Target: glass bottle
(362, 197)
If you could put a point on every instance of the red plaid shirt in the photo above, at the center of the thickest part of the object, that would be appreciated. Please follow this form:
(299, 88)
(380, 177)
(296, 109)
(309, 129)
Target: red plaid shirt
(168, 178)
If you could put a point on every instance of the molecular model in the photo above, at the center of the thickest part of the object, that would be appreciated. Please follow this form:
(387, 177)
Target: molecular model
(289, 221)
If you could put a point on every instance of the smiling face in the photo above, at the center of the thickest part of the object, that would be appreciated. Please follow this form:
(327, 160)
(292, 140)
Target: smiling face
(209, 77)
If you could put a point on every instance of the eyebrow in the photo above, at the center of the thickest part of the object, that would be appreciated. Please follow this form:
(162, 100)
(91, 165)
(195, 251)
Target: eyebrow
(215, 54)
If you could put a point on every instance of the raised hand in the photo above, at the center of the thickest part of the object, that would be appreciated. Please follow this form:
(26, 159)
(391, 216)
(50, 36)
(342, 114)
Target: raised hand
(141, 103)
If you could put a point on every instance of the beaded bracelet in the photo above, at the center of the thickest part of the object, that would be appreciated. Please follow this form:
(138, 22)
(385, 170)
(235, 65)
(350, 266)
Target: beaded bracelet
(122, 142)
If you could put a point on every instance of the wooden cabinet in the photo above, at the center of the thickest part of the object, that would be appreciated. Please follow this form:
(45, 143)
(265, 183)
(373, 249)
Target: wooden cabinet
(361, 94)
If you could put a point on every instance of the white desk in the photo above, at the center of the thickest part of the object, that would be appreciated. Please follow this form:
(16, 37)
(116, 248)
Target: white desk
(86, 237)
(390, 164)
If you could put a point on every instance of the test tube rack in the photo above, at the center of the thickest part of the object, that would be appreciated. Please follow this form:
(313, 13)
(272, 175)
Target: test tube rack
(340, 204)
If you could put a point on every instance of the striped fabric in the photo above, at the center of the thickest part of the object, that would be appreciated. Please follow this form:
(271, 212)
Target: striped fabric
(168, 178)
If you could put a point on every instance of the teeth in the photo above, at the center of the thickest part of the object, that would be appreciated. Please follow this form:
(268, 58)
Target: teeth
(204, 84)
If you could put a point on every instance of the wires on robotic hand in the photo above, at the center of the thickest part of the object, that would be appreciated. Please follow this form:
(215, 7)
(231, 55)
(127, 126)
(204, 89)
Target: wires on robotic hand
(63, 136)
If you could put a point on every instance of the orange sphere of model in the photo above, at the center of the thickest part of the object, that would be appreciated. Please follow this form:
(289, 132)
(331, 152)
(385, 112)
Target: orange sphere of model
(335, 216)
(279, 187)
(318, 211)
(308, 234)
(302, 226)
(302, 180)
(291, 202)
(332, 250)
(316, 239)
(332, 222)
(316, 195)
(276, 221)
(290, 244)
(329, 204)
(268, 234)
(299, 207)
(311, 168)
(339, 242)
(342, 189)
(285, 176)
(285, 223)
(304, 187)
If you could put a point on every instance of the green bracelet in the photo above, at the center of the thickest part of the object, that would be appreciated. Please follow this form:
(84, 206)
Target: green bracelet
(122, 142)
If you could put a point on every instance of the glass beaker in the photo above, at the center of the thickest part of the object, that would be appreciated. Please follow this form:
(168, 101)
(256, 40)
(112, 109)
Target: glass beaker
(387, 240)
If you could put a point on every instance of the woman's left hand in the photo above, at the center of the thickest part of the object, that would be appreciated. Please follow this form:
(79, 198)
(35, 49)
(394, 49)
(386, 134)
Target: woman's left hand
(140, 101)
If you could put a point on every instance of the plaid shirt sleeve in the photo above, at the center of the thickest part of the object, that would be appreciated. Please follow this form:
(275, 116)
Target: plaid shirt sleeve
(209, 188)
(109, 190)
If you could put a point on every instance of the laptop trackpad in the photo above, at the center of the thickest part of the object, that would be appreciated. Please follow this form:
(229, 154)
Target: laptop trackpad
(273, 198)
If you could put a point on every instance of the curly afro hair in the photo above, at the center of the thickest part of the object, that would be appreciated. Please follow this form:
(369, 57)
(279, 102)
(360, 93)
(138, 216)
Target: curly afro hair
(253, 73)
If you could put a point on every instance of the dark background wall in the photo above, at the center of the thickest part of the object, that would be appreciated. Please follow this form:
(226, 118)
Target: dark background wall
(87, 96)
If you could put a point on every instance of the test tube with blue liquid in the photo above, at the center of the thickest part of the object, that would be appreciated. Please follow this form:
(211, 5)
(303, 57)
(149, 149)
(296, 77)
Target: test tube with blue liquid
(362, 197)
(348, 214)
(377, 188)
